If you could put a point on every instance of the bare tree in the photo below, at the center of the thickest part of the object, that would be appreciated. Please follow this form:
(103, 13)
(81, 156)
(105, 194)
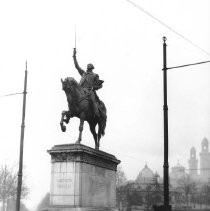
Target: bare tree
(121, 182)
(121, 178)
(205, 192)
(8, 186)
(187, 186)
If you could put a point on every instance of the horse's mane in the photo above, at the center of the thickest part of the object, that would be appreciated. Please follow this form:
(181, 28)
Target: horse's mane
(73, 82)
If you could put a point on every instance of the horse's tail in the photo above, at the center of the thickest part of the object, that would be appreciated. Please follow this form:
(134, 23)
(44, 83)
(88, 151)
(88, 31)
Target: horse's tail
(103, 126)
(103, 118)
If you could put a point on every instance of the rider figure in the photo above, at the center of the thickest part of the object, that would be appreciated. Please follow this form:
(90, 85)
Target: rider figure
(89, 82)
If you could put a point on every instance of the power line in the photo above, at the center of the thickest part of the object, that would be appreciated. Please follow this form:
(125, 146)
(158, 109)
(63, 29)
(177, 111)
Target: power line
(168, 27)
(18, 93)
(186, 65)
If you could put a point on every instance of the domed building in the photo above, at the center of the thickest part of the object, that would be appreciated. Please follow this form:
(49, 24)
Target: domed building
(145, 176)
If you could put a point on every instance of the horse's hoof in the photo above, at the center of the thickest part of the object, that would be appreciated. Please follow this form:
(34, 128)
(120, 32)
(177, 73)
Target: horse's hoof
(96, 147)
(63, 128)
(77, 142)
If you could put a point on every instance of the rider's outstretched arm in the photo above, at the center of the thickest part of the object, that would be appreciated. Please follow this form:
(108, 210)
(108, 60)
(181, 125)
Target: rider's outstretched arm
(80, 70)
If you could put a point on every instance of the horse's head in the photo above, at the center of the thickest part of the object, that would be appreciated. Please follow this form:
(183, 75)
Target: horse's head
(69, 83)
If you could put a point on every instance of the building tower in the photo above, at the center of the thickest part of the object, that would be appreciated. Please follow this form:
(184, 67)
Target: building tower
(205, 160)
(193, 163)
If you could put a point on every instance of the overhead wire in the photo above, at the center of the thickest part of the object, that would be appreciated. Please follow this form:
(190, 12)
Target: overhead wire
(186, 65)
(168, 27)
(18, 93)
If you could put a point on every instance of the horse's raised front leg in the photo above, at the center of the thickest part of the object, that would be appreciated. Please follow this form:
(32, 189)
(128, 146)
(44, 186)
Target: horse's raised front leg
(80, 131)
(65, 117)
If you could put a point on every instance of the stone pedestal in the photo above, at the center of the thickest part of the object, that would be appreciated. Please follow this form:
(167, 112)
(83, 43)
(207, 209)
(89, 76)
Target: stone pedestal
(82, 179)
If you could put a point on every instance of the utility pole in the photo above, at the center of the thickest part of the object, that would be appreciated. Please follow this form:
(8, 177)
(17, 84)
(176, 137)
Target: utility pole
(166, 206)
(20, 174)
(165, 116)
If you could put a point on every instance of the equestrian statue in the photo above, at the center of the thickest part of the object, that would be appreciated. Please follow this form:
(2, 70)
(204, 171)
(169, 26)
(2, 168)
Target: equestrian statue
(84, 103)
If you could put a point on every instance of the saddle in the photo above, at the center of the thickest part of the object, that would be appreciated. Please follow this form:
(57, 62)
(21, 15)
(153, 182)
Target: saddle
(88, 91)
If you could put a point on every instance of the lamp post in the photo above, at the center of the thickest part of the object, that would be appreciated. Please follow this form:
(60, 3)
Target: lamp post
(165, 118)
(166, 206)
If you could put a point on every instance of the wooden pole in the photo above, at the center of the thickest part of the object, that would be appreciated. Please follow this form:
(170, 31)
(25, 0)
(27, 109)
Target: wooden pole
(20, 174)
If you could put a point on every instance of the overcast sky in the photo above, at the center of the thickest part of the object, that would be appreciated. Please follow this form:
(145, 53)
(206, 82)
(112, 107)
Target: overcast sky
(125, 46)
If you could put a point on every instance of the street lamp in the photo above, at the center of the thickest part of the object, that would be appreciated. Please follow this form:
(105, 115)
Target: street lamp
(165, 122)
(166, 206)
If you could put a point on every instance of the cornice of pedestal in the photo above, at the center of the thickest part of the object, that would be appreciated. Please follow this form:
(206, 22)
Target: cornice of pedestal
(82, 153)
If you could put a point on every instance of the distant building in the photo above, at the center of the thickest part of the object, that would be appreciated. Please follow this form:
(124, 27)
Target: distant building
(204, 174)
(205, 160)
(193, 163)
(146, 176)
(176, 174)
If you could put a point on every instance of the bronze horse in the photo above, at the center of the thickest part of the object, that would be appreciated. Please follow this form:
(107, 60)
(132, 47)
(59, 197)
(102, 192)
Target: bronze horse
(80, 106)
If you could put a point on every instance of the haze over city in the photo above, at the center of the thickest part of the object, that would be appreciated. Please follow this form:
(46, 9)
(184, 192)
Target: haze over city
(125, 46)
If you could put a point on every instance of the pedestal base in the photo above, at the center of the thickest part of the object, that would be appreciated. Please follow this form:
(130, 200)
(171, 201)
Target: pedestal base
(82, 179)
